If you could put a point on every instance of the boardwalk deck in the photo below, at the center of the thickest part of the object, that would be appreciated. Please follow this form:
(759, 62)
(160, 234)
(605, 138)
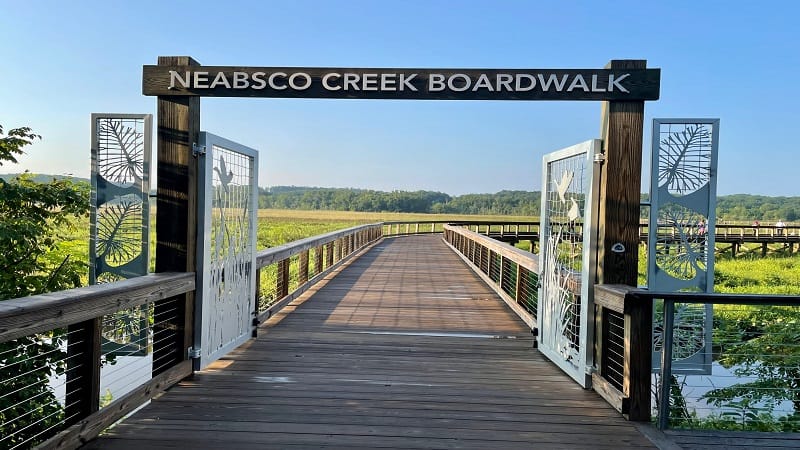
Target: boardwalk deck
(404, 348)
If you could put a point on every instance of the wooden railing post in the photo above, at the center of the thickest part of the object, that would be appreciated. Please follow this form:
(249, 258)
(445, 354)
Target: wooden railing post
(302, 274)
(638, 357)
(83, 370)
(329, 253)
(318, 263)
(629, 393)
(282, 282)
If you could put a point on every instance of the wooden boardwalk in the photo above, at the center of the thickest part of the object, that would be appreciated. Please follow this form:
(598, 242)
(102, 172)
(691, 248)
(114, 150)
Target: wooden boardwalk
(403, 348)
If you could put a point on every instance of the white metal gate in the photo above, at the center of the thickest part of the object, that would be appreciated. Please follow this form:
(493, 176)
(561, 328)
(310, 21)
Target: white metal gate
(567, 258)
(226, 247)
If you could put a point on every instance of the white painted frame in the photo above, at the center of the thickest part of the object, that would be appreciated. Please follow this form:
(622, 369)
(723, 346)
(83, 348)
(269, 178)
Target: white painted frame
(581, 370)
(211, 349)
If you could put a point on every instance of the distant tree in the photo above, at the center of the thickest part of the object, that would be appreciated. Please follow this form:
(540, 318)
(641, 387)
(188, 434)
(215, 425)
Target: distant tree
(30, 215)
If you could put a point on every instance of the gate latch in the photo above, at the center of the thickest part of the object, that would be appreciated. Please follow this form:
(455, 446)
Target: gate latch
(194, 353)
(198, 150)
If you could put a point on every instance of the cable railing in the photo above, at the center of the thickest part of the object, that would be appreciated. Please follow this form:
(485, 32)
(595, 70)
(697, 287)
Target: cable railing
(753, 382)
(734, 239)
(746, 379)
(286, 271)
(74, 362)
(511, 272)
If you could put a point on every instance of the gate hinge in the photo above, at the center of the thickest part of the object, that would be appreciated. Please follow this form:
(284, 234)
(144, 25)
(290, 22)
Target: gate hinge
(599, 158)
(198, 150)
(193, 353)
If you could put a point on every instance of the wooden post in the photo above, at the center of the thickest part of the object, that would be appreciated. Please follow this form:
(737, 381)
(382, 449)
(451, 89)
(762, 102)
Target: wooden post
(302, 274)
(329, 252)
(638, 357)
(318, 263)
(620, 185)
(83, 370)
(282, 283)
(176, 217)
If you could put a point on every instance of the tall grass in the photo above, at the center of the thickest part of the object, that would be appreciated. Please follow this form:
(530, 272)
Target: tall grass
(774, 274)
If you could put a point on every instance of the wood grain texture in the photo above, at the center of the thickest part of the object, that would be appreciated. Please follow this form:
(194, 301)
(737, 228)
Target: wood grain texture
(178, 128)
(90, 427)
(732, 440)
(611, 296)
(38, 313)
(637, 367)
(620, 186)
(403, 348)
(521, 257)
(274, 254)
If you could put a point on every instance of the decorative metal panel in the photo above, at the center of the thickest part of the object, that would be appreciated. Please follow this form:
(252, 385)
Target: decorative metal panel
(567, 258)
(226, 246)
(120, 218)
(681, 233)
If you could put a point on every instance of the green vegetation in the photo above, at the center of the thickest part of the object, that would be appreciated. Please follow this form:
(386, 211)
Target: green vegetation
(34, 260)
(731, 208)
(61, 250)
(335, 199)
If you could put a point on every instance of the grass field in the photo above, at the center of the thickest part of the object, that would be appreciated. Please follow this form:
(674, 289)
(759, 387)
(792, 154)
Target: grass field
(770, 275)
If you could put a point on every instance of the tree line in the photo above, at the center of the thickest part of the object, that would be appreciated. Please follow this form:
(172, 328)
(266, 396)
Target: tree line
(737, 207)
(344, 199)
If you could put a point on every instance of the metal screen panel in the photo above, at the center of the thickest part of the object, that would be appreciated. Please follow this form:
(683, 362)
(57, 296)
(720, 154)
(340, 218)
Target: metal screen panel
(119, 227)
(680, 244)
(567, 258)
(226, 246)
(120, 202)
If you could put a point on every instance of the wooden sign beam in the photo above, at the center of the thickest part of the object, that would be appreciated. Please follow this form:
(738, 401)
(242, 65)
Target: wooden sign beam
(409, 84)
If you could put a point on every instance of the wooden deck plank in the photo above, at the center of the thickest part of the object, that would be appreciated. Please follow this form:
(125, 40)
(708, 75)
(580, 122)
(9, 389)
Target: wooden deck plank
(734, 440)
(404, 348)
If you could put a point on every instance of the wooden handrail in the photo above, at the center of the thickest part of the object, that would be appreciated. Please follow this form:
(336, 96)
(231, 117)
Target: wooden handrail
(281, 252)
(521, 257)
(28, 315)
(632, 398)
(475, 249)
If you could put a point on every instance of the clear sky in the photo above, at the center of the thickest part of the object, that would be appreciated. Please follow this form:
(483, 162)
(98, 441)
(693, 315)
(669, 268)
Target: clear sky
(733, 60)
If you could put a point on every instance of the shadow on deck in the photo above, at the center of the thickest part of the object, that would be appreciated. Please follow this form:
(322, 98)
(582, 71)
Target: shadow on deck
(404, 347)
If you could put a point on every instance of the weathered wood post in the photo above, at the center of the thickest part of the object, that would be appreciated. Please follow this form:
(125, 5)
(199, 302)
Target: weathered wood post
(176, 217)
(620, 185)
(302, 273)
(622, 129)
(318, 263)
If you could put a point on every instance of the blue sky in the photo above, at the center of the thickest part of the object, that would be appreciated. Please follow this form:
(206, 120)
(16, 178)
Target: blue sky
(62, 61)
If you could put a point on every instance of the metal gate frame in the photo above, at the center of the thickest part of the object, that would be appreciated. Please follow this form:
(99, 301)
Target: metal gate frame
(232, 327)
(578, 363)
